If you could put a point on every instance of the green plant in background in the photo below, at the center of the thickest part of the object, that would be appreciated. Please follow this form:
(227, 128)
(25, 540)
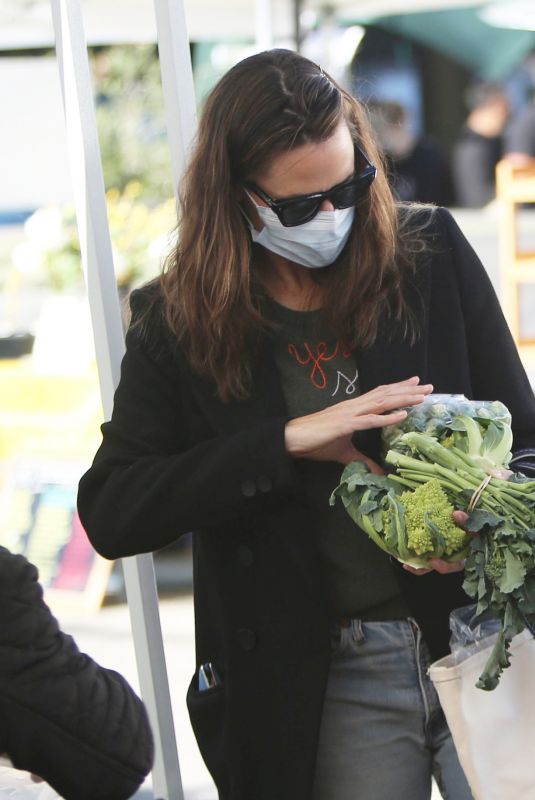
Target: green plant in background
(131, 120)
(140, 233)
(59, 253)
(137, 175)
(140, 236)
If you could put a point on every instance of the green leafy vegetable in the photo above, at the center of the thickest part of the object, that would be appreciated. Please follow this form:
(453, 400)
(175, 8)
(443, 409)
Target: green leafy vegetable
(453, 453)
(413, 526)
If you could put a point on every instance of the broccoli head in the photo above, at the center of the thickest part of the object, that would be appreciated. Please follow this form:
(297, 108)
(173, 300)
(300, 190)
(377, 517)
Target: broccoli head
(496, 566)
(429, 523)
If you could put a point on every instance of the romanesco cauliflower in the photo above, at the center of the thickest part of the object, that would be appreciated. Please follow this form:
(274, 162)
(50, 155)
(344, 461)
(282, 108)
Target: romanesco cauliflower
(425, 507)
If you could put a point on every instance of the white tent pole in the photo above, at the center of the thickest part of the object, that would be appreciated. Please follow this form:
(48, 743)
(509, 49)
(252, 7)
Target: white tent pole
(88, 187)
(177, 82)
(89, 195)
(263, 24)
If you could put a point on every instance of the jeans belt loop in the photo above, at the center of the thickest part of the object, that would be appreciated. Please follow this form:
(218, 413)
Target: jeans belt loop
(356, 628)
(358, 631)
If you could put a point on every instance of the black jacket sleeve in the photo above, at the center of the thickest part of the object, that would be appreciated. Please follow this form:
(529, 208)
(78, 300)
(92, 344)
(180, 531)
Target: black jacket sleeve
(496, 370)
(78, 726)
(151, 481)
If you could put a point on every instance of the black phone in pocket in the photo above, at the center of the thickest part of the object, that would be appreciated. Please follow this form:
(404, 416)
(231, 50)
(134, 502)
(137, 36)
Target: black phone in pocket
(208, 677)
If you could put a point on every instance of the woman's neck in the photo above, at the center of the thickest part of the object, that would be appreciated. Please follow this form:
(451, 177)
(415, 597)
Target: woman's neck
(288, 283)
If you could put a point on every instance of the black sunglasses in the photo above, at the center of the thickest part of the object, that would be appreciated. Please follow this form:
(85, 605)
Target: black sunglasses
(293, 211)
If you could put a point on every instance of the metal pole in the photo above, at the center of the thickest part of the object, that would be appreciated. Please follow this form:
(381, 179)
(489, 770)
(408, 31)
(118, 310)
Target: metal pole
(145, 619)
(177, 82)
(89, 195)
(263, 24)
(90, 204)
(298, 33)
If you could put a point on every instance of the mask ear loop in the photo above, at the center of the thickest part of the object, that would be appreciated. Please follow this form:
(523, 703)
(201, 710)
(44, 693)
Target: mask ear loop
(249, 195)
(253, 230)
(243, 212)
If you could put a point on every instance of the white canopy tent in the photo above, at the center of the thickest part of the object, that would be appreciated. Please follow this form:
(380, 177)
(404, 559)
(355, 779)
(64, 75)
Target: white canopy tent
(41, 23)
(28, 23)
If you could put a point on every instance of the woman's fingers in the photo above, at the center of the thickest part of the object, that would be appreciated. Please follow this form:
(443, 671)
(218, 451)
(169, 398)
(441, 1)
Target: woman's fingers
(415, 570)
(413, 380)
(389, 398)
(365, 421)
(460, 517)
(409, 384)
(502, 473)
(438, 565)
(445, 567)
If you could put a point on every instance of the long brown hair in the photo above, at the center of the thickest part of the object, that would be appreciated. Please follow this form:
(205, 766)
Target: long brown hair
(265, 105)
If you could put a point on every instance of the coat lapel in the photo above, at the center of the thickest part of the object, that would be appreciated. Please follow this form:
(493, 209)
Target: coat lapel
(266, 399)
(393, 357)
(389, 361)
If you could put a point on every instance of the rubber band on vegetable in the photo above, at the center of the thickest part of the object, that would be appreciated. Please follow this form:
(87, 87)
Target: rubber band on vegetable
(474, 500)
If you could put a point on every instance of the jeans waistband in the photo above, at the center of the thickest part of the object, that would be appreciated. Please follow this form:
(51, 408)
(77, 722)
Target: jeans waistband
(347, 622)
(390, 609)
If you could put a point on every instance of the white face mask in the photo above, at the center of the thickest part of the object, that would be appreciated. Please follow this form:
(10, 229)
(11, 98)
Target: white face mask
(314, 244)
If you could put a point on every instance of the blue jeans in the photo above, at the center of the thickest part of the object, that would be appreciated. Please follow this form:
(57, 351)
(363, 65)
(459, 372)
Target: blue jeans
(383, 733)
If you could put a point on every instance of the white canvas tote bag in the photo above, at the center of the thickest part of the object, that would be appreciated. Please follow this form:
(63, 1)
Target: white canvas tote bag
(493, 732)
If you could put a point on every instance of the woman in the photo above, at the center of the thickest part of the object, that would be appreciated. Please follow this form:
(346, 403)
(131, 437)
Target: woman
(300, 311)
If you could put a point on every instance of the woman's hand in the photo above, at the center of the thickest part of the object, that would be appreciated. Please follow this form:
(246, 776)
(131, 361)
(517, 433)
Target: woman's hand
(326, 435)
(437, 564)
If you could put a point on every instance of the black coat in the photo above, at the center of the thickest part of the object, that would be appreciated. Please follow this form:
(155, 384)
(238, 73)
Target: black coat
(175, 458)
(78, 726)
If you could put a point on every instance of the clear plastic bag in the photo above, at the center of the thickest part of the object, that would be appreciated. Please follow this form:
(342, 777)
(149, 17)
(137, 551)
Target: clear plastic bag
(470, 633)
(436, 413)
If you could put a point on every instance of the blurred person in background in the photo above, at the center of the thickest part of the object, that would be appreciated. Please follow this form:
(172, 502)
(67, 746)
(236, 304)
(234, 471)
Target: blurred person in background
(70, 722)
(520, 136)
(480, 145)
(301, 311)
(419, 170)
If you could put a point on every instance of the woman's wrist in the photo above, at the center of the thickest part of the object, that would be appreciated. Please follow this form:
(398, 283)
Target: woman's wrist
(291, 442)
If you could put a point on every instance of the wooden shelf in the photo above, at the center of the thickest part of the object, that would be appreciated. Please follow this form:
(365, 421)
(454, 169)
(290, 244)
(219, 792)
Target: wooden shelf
(522, 274)
(516, 183)
(525, 258)
(514, 186)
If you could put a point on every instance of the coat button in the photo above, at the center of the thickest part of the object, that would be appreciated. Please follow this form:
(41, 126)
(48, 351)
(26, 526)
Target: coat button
(264, 483)
(245, 555)
(247, 638)
(248, 488)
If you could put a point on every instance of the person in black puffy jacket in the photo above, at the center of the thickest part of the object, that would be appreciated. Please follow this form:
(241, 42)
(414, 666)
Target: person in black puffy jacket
(63, 717)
